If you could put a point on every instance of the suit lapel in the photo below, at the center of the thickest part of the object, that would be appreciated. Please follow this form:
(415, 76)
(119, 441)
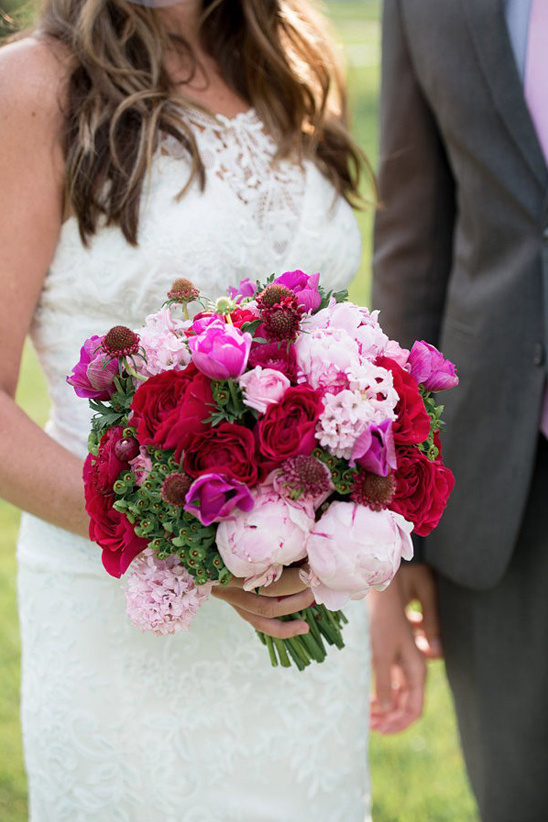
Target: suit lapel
(489, 34)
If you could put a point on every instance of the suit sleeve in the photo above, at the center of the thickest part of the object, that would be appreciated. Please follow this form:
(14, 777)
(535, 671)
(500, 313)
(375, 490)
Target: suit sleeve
(413, 235)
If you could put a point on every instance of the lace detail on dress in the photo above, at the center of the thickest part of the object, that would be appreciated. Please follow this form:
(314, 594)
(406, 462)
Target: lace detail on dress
(124, 727)
(241, 154)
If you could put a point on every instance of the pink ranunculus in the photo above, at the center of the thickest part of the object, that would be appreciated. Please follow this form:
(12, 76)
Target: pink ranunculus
(375, 450)
(161, 595)
(257, 545)
(245, 288)
(165, 345)
(397, 353)
(221, 351)
(213, 498)
(430, 369)
(263, 387)
(93, 375)
(352, 549)
(304, 286)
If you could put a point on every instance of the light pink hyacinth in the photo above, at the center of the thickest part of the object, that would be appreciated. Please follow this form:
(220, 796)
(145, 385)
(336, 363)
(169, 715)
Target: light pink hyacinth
(352, 549)
(263, 387)
(257, 545)
(161, 595)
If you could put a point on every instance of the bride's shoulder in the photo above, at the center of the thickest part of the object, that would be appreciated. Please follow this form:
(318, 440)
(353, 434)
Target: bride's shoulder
(33, 79)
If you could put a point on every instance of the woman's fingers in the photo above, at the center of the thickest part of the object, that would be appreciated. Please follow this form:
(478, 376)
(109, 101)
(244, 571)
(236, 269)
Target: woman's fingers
(267, 607)
(289, 583)
(274, 627)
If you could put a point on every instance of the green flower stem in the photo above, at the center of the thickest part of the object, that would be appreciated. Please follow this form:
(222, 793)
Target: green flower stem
(305, 648)
(233, 394)
(282, 653)
(295, 656)
(269, 642)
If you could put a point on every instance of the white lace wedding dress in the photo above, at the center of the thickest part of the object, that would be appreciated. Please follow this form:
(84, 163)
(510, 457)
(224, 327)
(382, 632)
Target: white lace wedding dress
(121, 726)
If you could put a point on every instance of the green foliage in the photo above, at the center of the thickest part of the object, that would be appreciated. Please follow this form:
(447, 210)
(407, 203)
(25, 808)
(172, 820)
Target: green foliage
(229, 402)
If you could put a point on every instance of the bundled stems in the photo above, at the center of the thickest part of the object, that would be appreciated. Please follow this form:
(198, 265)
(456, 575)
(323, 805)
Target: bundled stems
(325, 627)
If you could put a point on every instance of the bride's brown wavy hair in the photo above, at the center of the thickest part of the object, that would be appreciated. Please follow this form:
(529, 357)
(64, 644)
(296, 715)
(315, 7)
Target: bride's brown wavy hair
(276, 54)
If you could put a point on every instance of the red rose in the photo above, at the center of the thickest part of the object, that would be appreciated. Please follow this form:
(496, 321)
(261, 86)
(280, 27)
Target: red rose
(287, 429)
(228, 449)
(110, 529)
(188, 417)
(423, 487)
(155, 399)
(169, 408)
(412, 425)
(107, 467)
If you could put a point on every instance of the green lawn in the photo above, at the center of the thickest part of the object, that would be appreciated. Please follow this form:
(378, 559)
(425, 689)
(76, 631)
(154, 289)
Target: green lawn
(417, 776)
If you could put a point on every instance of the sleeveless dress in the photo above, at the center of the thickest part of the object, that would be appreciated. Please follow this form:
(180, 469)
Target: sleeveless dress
(121, 726)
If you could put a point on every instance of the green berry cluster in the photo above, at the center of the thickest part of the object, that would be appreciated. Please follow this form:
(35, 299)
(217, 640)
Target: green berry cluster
(169, 529)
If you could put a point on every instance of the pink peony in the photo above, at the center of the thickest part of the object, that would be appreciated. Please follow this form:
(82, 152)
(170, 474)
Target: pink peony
(161, 595)
(221, 351)
(324, 355)
(213, 497)
(430, 369)
(360, 324)
(257, 545)
(263, 387)
(352, 549)
(93, 375)
(164, 342)
(397, 353)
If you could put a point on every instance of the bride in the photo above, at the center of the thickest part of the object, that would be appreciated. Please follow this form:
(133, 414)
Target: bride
(203, 139)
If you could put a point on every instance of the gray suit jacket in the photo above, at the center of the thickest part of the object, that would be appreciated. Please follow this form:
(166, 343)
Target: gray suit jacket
(461, 258)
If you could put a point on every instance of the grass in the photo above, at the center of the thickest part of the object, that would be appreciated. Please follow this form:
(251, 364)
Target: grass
(417, 776)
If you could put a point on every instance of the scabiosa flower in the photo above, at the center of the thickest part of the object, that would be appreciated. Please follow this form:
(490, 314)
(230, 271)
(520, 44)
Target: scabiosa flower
(161, 595)
(280, 312)
(303, 477)
(372, 490)
(183, 291)
(121, 341)
(175, 488)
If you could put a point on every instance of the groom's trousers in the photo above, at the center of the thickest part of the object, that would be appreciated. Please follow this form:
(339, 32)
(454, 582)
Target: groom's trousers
(496, 649)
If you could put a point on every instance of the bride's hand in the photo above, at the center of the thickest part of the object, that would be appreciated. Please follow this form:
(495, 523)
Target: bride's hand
(286, 596)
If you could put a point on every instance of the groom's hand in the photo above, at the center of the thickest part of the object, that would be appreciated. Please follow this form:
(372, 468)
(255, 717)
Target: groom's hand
(399, 667)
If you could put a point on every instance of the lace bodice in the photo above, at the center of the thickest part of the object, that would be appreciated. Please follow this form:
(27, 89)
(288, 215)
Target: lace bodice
(254, 218)
(124, 727)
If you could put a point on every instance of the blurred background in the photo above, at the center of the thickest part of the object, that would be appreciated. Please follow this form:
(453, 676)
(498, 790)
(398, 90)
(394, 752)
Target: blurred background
(417, 776)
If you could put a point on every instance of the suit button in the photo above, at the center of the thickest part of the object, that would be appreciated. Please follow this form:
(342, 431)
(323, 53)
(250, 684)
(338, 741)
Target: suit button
(538, 354)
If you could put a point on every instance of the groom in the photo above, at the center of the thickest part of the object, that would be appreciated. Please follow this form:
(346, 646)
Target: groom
(461, 260)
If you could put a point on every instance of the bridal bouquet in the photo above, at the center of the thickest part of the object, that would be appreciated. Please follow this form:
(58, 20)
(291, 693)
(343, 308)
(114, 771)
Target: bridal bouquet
(279, 426)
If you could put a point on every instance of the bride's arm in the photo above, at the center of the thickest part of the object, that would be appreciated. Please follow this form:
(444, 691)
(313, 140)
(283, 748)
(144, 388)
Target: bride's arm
(36, 473)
